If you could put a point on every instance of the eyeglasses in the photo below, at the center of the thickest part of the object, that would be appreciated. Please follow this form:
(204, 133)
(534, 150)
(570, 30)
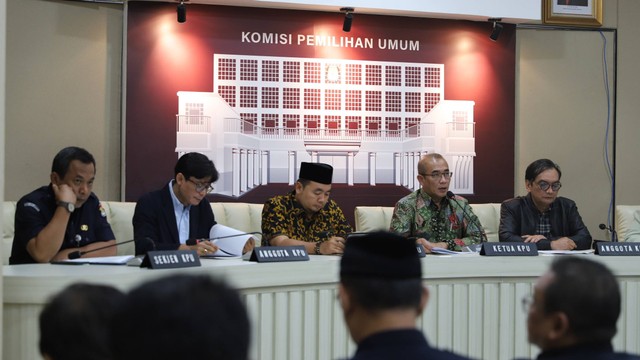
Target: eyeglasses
(437, 175)
(527, 301)
(200, 187)
(544, 186)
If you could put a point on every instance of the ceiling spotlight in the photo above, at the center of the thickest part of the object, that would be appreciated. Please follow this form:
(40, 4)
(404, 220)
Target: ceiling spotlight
(182, 12)
(497, 28)
(348, 18)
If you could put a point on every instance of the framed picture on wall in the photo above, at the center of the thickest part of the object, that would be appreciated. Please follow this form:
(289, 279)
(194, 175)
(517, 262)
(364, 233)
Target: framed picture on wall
(572, 12)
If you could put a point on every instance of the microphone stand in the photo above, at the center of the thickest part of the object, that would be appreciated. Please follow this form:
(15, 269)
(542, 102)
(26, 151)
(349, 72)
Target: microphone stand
(79, 253)
(483, 236)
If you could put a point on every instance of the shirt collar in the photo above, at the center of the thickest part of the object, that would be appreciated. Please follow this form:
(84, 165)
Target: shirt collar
(176, 203)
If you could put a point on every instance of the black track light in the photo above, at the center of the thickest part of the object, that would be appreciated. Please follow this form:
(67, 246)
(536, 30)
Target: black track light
(497, 29)
(348, 18)
(182, 12)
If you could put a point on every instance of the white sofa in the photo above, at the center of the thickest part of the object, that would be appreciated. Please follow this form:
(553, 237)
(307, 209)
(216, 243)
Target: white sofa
(242, 216)
(370, 218)
(628, 222)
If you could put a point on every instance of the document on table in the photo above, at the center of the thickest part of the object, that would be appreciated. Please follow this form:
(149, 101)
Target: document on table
(441, 251)
(565, 252)
(104, 260)
(230, 241)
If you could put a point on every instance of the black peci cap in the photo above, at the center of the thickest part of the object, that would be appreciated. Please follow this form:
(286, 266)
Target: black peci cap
(380, 254)
(318, 172)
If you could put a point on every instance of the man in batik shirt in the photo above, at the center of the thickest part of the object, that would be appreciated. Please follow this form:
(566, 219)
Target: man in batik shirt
(433, 218)
(306, 216)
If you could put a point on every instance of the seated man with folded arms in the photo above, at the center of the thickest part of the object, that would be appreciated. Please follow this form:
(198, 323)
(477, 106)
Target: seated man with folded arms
(542, 217)
(190, 317)
(74, 325)
(574, 311)
(306, 216)
(180, 210)
(64, 217)
(433, 215)
(382, 296)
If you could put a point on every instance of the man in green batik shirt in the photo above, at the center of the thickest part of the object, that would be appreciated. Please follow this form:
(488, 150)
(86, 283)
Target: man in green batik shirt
(430, 216)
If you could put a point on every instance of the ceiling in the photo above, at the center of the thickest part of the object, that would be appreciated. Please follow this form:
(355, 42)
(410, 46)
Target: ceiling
(510, 11)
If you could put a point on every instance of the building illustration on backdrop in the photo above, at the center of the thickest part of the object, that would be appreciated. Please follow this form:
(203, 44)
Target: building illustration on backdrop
(371, 120)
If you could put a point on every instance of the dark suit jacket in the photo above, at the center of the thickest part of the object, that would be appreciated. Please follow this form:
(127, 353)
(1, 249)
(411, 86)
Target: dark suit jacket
(154, 218)
(405, 344)
(519, 216)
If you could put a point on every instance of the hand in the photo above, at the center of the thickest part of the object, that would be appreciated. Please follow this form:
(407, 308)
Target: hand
(334, 245)
(427, 245)
(205, 247)
(64, 192)
(249, 245)
(533, 238)
(563, 243)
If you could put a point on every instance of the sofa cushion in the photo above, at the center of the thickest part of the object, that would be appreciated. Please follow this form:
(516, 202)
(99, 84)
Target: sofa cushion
(628, 222)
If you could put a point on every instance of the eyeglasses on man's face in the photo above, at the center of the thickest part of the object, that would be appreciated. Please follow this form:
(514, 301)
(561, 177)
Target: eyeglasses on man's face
(200, 187)
(544, 186)
(437, 175)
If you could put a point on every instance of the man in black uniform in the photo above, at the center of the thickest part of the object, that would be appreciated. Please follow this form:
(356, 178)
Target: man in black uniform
(382, 295)
(63, 217)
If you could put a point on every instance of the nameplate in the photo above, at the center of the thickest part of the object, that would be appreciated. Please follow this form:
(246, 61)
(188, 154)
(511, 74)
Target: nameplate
(420, 251)
(170, 259)
(264, 254)
(607, 248)
(508, 249)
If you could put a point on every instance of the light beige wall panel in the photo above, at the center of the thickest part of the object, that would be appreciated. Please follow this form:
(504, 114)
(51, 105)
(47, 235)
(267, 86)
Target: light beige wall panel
(628, 130)
(561, 114)
(63, 88)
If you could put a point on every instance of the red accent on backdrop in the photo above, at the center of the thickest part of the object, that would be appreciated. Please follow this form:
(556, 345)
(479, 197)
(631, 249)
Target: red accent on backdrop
(164, 57)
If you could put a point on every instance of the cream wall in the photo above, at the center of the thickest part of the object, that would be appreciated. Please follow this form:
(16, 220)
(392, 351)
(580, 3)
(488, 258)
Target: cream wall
(561, 109)
(63, 87)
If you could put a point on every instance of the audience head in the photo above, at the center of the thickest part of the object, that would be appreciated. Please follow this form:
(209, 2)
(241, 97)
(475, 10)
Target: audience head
(193, 175)
(576, 301)
(75, 323)
(76, 168)
(182, 317)
(380, 274)
(313, 187)
(542, 180)
(434, 176)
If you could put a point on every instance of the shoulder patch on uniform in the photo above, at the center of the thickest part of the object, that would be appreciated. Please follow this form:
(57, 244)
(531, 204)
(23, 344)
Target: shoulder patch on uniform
(103, 212)
(32, 205)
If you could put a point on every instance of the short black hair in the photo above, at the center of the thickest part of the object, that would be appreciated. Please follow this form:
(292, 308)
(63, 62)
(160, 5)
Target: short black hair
(182, 317)
(74, 325)
(64, 157)
(376, 294)
(535, 168)
(196, 165)
(589, 294)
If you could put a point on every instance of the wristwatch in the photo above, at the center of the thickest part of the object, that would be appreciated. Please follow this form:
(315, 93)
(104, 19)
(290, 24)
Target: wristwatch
(67, 205)
(317, 249)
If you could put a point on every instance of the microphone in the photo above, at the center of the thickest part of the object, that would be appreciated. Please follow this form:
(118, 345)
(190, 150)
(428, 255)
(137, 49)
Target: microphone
(196, 241)
(483, 236)
(614, 233)
(78, 254)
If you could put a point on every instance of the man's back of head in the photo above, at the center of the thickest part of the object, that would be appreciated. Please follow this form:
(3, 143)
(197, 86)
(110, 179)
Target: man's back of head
(182, 317)
(74, 325)
(382, 295)
(576, 302)
(382, 271)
